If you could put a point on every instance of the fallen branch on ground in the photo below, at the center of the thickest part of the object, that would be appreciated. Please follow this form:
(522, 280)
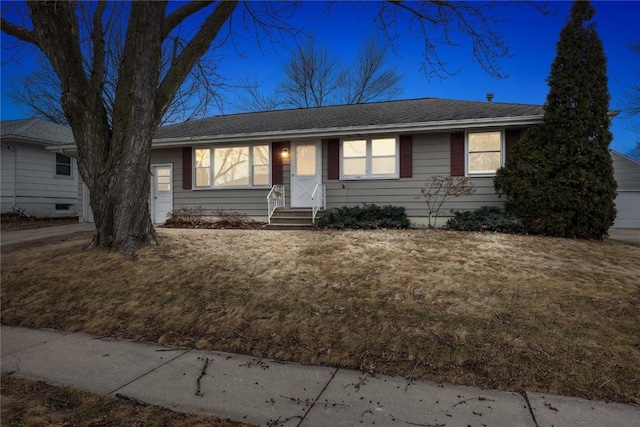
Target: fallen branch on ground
(202, 374)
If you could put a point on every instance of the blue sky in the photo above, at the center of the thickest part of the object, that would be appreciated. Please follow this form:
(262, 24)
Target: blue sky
(531, 36)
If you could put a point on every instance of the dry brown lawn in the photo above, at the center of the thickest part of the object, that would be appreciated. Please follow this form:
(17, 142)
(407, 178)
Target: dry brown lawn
(31, 403)
(491, 310)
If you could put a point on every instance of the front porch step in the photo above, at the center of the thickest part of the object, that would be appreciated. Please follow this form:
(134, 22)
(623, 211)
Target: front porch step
(291, 219)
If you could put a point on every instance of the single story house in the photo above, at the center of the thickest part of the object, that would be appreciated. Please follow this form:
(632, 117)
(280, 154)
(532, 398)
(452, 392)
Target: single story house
(327, 157)
(38, 181)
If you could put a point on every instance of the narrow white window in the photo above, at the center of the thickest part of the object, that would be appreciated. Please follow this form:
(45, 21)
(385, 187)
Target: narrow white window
(203, 167)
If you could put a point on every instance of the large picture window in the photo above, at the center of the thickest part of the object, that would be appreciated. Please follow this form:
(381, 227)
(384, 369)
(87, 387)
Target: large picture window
(238, 166)
(374, 158)
(484, 152)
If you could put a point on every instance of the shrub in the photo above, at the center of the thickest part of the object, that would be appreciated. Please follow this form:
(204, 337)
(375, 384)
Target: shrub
(365, 217)
(234, 219)
(441, 188)
(187, 218)
(197, 217)
(487, 218)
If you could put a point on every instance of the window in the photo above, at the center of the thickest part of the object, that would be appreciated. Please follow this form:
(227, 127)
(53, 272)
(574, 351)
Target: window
(484, 152)
(63, 207)
(63, 165)
(370, 158)
(163, 179)
(242, 166)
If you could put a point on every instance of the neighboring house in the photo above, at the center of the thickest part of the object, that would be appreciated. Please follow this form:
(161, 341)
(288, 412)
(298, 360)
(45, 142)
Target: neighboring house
(39, 181)
(627, 174)
(334, 156)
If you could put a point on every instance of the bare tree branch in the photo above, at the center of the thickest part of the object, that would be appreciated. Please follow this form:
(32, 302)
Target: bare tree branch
(18, 32)
(97, 37)
(197, 47)
(176, 17)
(368, 80)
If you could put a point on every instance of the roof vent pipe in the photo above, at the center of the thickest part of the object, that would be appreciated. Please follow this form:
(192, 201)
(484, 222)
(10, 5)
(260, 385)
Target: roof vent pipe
(489, 97)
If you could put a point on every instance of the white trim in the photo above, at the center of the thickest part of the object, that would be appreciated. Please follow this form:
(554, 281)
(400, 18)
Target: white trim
(347, 131)
(369, 130)
(369, 159)
(152, 194)
(55, 166)
(211, 167)
(466, 153)
(293, 200)
(86, 205)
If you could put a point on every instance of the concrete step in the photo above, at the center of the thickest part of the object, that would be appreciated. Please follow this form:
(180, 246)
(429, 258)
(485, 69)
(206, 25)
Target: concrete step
(287, 212)
(286, 227)
(291, 220)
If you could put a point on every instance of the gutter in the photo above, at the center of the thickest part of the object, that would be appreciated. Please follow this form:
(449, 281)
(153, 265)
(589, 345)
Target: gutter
(349, 131)
(335, 131)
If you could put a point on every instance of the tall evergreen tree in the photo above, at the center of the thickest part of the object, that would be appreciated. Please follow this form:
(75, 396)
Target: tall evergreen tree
(559, 178)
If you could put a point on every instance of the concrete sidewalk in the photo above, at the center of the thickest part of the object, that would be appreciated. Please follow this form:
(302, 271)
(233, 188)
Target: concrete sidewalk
(19, 236)
(274, 393)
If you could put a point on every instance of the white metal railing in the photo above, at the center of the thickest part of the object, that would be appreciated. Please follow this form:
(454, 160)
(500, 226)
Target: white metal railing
(318, 200)
(275, 199)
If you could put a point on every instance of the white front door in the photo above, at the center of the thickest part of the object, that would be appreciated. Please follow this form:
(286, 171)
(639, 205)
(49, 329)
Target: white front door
(161, 192)
(306, 172)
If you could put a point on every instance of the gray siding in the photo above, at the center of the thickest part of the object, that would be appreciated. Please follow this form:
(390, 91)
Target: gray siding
(7, 177)
(37, 188)
(431, 156)
(252, 202)
(626, 171)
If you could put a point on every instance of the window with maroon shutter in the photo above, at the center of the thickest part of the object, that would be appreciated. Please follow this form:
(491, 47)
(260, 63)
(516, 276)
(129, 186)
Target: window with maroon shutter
(511, 137)
(406, 156)
(276, 163)
(333, 159)
(187, 168)
(457, 154)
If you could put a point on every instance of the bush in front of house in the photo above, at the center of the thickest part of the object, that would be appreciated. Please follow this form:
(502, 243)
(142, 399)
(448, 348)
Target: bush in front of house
(197, 217)
(487, 218)
(365, 217)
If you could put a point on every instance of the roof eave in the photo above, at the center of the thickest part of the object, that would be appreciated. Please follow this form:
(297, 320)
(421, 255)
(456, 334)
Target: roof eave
(347, 131)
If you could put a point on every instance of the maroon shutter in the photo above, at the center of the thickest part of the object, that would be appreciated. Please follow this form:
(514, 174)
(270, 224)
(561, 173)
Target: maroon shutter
(457, 154)
(276, 163)
(511, 136)
(406, 156)
(187, 168)
(333, 159)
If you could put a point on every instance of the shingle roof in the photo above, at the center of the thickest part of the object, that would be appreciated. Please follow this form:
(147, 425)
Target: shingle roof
(387, 113)
(36, 131)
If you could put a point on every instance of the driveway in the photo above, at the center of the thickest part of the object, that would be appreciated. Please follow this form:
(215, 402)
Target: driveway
(19, 236)
(631, 235)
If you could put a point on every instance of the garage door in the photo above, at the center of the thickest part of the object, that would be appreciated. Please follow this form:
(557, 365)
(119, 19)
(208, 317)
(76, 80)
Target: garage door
(628, 205)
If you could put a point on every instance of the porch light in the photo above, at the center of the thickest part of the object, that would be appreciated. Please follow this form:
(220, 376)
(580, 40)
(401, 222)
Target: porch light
(285, 153)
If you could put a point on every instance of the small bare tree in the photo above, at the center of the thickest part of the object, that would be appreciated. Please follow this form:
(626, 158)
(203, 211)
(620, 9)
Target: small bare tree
(370, 78)
(313, 78)
(440, 188)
